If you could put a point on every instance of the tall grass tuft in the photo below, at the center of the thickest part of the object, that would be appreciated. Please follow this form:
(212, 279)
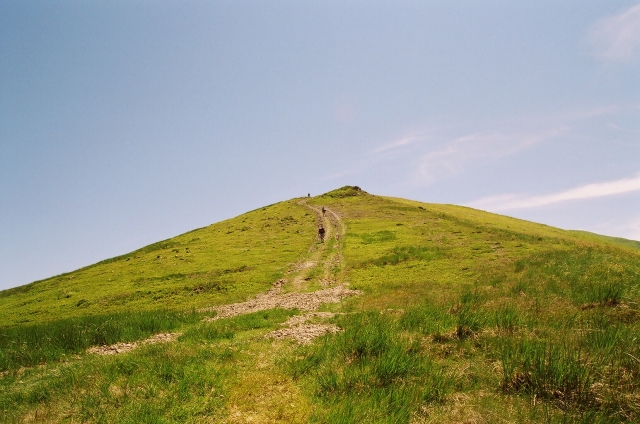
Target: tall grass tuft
(470, 318)
(427, 319)
(547, 371)
(370, 372)
(469, 321)
(604, 292)
(507, 318)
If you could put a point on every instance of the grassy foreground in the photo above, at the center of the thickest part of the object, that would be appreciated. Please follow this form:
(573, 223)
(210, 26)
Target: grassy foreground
(465, 316)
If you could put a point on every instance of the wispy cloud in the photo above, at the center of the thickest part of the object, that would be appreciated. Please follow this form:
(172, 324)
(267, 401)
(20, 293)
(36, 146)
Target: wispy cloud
(589, 191)
(477, 149)
(404, 141)
(616, 38)
(434, 152)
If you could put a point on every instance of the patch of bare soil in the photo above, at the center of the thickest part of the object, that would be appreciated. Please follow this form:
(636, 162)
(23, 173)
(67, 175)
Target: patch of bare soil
(126, 347)
(302, 265)
(305, 333)
(274, 298)
(297, 328)
(333, 261)
(326, 282)
(302, 319)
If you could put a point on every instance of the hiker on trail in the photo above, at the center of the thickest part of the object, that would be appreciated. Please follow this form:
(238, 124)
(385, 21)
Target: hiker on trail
(321, 233)
(308, 194)
(323, 210)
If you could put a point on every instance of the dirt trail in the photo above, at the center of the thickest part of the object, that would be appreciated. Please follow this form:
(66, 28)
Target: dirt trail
(274, 298)
(261, 388)
(298, 328)
(335, 230)
(328, 256)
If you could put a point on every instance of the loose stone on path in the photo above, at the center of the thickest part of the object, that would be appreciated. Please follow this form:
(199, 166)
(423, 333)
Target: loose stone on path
(274, 298)
(297, 328)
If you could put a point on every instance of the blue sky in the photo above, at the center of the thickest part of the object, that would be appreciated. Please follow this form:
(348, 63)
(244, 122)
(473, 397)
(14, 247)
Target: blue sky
(124, 123)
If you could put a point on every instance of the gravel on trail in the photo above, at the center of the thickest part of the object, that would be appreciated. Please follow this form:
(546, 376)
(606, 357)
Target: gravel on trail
(126, 347)
(304, 333)
(274, 298)
(297, 328)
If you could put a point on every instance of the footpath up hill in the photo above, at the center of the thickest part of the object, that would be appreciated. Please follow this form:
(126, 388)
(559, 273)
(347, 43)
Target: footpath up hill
(408, 312)
(222, 263)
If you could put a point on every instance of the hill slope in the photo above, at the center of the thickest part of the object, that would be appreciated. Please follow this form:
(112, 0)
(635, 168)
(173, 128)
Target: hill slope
(221, 263)
(430, 313)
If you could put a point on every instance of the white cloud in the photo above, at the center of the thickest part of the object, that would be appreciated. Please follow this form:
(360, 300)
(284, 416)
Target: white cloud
(589, 191)
(404, 141)
(616, 38)
(437, 151)
(476, 149)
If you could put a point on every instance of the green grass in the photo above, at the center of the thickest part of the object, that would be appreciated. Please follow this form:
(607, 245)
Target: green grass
(631, 244)
(33, 344)
(368, 373)
(223, 263)
(156, 383)
(465, 316)
(405, 253)
(550, 372)
(228, 328)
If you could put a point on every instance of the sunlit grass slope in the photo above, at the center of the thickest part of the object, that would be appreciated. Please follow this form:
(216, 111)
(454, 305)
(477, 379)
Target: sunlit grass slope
(222, 263)
(465, 316)
(401, 251)
(632, 244)
(477, 318)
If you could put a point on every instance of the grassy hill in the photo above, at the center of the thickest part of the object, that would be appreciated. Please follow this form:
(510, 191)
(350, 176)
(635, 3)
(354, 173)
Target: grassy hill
(221, 263)
(461, 316)
(632, 244)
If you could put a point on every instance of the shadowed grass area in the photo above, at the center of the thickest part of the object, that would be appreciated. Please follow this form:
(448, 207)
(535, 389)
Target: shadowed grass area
(33, 344)
(155, 383)
(180, 381)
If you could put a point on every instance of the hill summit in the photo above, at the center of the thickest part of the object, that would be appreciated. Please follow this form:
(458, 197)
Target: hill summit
(405, 312)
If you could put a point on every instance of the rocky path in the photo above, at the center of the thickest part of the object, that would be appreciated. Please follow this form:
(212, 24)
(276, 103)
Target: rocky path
(291, 292)
(325, 255)
(299, 328)
(261, 388)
